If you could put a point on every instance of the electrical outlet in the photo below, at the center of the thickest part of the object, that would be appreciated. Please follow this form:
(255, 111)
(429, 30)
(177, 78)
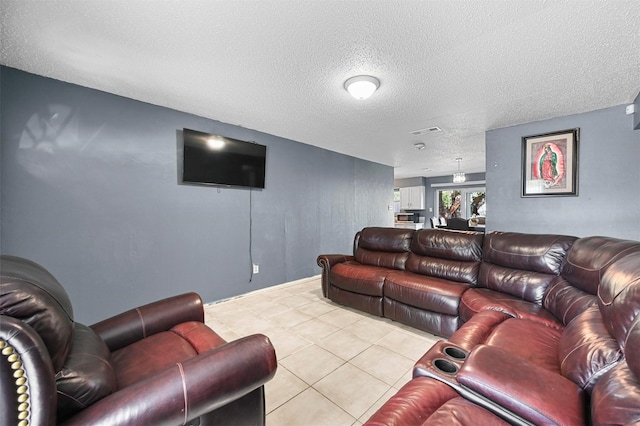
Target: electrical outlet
(256, 268)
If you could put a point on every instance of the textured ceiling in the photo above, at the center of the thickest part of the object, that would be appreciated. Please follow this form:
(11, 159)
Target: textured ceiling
(279, 66)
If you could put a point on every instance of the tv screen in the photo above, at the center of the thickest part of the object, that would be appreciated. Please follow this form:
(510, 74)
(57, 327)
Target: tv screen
(217, 160)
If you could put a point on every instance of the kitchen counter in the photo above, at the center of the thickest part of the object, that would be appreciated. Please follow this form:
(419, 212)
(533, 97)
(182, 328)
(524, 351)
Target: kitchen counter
(408, 225)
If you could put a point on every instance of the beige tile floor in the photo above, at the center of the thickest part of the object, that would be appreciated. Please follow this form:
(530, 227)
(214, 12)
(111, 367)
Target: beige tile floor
(336, 365)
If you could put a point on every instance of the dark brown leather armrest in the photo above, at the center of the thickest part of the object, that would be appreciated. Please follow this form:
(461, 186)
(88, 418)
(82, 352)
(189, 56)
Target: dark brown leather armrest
(190, 389)
(24, 353)
(129, 327)
(534, 393)
(326, 262)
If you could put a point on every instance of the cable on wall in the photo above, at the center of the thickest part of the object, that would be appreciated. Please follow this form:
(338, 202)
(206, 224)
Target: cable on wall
(250, 235)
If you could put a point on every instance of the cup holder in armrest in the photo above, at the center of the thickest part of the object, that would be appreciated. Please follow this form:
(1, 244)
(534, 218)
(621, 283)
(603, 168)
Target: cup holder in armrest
(455, 353)
(445, 366)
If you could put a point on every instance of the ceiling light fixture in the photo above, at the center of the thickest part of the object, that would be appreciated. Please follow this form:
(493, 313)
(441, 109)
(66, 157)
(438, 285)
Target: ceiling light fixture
(362, 86)
(419, 146)
(459, 177)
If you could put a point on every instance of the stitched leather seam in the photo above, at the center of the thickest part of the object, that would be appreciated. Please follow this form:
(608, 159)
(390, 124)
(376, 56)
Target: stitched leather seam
(144, 328)
(184, 392)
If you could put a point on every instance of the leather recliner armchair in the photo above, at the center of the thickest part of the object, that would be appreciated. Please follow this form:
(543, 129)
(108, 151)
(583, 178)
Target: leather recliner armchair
(156, 364)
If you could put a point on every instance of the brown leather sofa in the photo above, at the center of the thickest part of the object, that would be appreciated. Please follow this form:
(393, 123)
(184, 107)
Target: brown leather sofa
(549, 332)
(156, 364)
(422, 278)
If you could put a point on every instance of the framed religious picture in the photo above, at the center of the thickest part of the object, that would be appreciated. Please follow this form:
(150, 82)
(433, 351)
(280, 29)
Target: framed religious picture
(550, 164)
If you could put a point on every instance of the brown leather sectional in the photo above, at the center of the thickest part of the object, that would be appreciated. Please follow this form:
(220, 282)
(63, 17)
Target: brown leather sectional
(540, 329)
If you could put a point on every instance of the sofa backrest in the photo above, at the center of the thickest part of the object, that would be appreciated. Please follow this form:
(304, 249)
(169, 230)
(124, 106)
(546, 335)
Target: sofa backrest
(585, 263)
(450, 255)
(522, 265)
(616, 395)
(619, 296)
(386, 247)
(593, 341)
(29, 293)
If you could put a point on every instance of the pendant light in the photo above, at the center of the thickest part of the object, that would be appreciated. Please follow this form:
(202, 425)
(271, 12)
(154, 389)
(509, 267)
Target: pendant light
(459, 177)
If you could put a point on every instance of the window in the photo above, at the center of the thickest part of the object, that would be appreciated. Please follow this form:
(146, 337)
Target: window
(461, 202)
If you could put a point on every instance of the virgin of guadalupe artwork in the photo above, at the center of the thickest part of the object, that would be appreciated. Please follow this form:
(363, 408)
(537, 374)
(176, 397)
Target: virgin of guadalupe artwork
(550, 164)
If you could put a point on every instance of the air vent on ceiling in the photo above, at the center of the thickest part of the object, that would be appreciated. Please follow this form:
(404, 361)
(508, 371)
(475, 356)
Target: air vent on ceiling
(433, 129)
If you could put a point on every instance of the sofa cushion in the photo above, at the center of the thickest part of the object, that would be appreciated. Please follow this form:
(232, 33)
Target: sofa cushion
(478, 329)
(150, 356)
(443, 244)
(528, 390)
(357, 278)
(458, 411)
(87, 375)
(527, 340)
(616, 397)
(424, 401)
(586, 349)
(589, 257)
(392, 240)
(619, 296)
(529, 252)
(476, 300)
(565, 301)
(526, 285)
(384, 247)
(424, 292)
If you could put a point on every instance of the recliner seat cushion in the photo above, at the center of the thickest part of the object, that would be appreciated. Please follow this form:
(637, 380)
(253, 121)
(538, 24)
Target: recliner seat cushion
(425, 401)
(476, 300)
(156, 353)
(425, 292)
(357, 278)
(528, 340)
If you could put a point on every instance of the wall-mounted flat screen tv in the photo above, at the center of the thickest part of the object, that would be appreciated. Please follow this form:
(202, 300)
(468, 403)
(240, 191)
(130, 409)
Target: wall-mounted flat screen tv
(217, 160)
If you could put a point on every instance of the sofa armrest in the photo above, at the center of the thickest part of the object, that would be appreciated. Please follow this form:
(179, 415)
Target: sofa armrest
(476, 331)
(326, 262)
(534, 393)
(188, 390)
(129, 327)
(25, 372)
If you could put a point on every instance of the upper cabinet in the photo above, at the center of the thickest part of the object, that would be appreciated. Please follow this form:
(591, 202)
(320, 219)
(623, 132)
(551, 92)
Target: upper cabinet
(412, 198)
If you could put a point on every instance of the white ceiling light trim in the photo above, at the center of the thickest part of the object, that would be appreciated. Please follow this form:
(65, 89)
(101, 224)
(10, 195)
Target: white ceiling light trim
(362, 86)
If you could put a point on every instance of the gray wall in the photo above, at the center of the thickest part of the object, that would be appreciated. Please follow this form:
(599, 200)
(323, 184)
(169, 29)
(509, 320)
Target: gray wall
(90, 190)
(608, 201)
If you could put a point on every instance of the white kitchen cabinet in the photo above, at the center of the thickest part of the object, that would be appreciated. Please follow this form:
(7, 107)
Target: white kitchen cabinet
(412, 198)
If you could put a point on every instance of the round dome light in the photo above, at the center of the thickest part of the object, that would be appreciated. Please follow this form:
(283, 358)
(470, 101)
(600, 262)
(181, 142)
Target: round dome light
(362, 86)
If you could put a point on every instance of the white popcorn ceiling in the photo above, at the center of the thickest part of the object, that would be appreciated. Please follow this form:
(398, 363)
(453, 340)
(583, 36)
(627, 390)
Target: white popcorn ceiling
(278, 66)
